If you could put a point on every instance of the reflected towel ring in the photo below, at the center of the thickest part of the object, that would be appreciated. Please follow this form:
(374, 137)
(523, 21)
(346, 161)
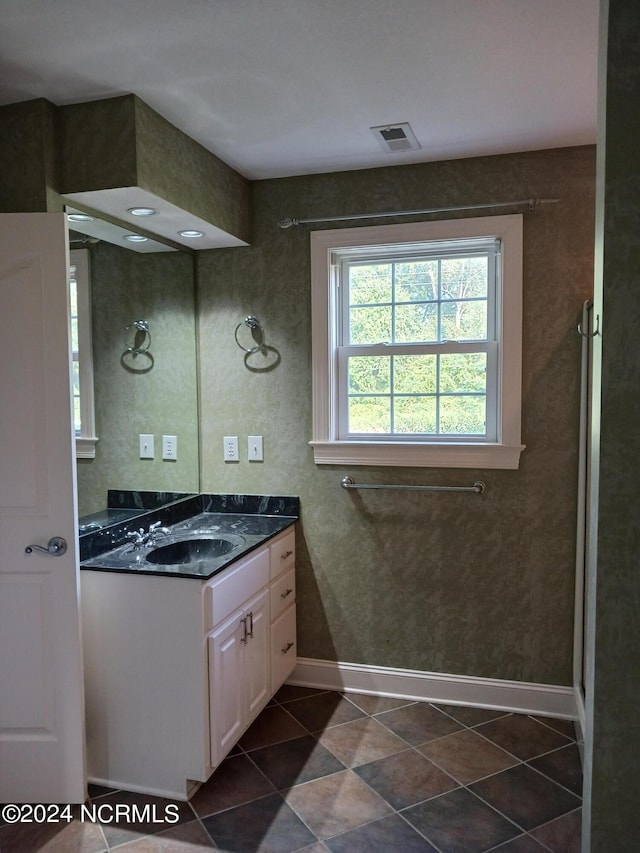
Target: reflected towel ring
(593, 334)
(141, 339)
(257, 333)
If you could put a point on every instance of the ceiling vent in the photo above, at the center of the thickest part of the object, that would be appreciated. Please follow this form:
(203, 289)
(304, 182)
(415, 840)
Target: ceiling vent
(395, 137)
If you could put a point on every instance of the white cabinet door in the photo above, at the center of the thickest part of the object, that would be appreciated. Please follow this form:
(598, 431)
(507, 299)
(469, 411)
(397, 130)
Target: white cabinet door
(283, 648)
(239, 673)
(257, 655)
(41, 693)
(226, 685)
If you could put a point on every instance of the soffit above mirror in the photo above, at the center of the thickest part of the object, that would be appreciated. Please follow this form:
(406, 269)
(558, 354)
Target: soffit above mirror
(116, 154)
(167, 223)
(95, 229)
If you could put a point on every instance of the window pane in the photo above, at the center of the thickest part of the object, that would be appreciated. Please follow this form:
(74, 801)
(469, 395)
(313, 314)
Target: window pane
(415, 414)
(370, 325)
(74, 334)
(369, 374)
(73, 300)
(75, 378)
(414, 374)
(77, 421)
(369, 284)
(463, 321)
(416, 281)
(73, 293)
(463, 372)
(463, 415)
(416, 323)
(369, 414)
(464, 278)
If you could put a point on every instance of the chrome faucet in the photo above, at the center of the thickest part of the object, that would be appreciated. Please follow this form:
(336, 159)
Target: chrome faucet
(139, 538)
(155, 530)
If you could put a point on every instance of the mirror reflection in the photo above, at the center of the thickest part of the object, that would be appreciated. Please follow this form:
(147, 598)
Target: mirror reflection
(142, 310)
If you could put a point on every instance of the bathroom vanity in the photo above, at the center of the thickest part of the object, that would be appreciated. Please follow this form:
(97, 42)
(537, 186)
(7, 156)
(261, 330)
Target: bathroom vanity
(180, 657)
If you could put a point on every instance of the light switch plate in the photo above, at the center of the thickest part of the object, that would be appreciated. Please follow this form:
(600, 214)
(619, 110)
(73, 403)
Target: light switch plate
(146, 446)
(255, 448)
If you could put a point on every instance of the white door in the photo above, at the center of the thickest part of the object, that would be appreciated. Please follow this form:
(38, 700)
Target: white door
(41, 685)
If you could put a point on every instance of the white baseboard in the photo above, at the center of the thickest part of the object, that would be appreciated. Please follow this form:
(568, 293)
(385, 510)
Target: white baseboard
(548, 700)
(181, 796)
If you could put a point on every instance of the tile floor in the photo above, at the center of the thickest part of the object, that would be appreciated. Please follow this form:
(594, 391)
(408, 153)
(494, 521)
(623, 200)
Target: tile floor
(322, 771)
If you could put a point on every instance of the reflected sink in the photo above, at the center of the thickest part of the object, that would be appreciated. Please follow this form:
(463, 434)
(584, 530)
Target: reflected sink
(194, 550)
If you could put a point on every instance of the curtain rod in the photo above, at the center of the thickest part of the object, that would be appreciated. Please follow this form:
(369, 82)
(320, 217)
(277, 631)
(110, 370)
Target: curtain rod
(531, 203)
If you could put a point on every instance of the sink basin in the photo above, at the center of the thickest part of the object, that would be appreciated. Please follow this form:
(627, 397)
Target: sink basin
(194, 550)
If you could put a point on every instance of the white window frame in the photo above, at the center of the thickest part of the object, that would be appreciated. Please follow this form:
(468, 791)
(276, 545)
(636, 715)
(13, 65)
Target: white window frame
(85, 440)
(468, 452)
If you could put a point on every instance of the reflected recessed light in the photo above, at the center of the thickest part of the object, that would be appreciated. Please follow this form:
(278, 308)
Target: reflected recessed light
(135, 238)
(142, 211)
(190, 233)
(79, 217)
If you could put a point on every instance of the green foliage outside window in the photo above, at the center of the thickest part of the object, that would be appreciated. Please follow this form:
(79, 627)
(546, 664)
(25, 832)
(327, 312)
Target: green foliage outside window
(73, 293)
(418, 302)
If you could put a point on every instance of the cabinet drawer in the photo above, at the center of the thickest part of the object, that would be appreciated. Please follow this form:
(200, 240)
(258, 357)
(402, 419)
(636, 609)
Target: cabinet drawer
(283, 593)
(283, 553)
(235, 586)
(284, 649)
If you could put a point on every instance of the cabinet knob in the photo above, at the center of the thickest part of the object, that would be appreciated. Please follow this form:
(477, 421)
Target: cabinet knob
(286, 593)
(286, 648)
(285, 555)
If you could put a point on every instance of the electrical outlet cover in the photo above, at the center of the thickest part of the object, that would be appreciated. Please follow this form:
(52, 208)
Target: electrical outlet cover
(230, 448)
(170, 447)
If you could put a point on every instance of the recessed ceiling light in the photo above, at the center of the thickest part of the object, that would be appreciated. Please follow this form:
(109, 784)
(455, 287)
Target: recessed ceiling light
(79, 217)
(191, 233)
(142, 211)
(135, 238)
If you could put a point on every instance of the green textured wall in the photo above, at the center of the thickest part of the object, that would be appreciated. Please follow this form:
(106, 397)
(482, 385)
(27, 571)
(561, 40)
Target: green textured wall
(428, 581)
(97, 144)
(27, 155)
(159, 288)
(175, 167)
(613, 698)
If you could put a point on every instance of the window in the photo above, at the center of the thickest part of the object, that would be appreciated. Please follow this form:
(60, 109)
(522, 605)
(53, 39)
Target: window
(82, 355)
(417, 343)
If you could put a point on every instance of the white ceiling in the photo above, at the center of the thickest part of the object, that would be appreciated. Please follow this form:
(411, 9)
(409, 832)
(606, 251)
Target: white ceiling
(288, 87)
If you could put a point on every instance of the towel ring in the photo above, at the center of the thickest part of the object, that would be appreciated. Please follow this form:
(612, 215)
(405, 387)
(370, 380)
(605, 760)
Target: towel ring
(142, 334)
(251, 323)
(593, 334)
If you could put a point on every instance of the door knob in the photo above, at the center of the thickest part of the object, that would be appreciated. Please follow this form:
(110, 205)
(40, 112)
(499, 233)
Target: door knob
(56, 547)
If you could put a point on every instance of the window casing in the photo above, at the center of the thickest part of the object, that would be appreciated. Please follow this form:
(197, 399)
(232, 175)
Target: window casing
(417, 343)
(82, 354)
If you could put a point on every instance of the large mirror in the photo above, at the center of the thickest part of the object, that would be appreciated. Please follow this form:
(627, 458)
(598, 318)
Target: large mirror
(144, 370)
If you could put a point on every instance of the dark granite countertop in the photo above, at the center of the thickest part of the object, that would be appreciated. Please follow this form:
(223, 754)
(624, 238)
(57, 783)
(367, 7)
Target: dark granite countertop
(248, 528)
(105, 518)
(123, 505)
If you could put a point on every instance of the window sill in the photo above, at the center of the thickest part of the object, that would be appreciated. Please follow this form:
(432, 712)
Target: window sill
(86, 447)
(417, 455)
